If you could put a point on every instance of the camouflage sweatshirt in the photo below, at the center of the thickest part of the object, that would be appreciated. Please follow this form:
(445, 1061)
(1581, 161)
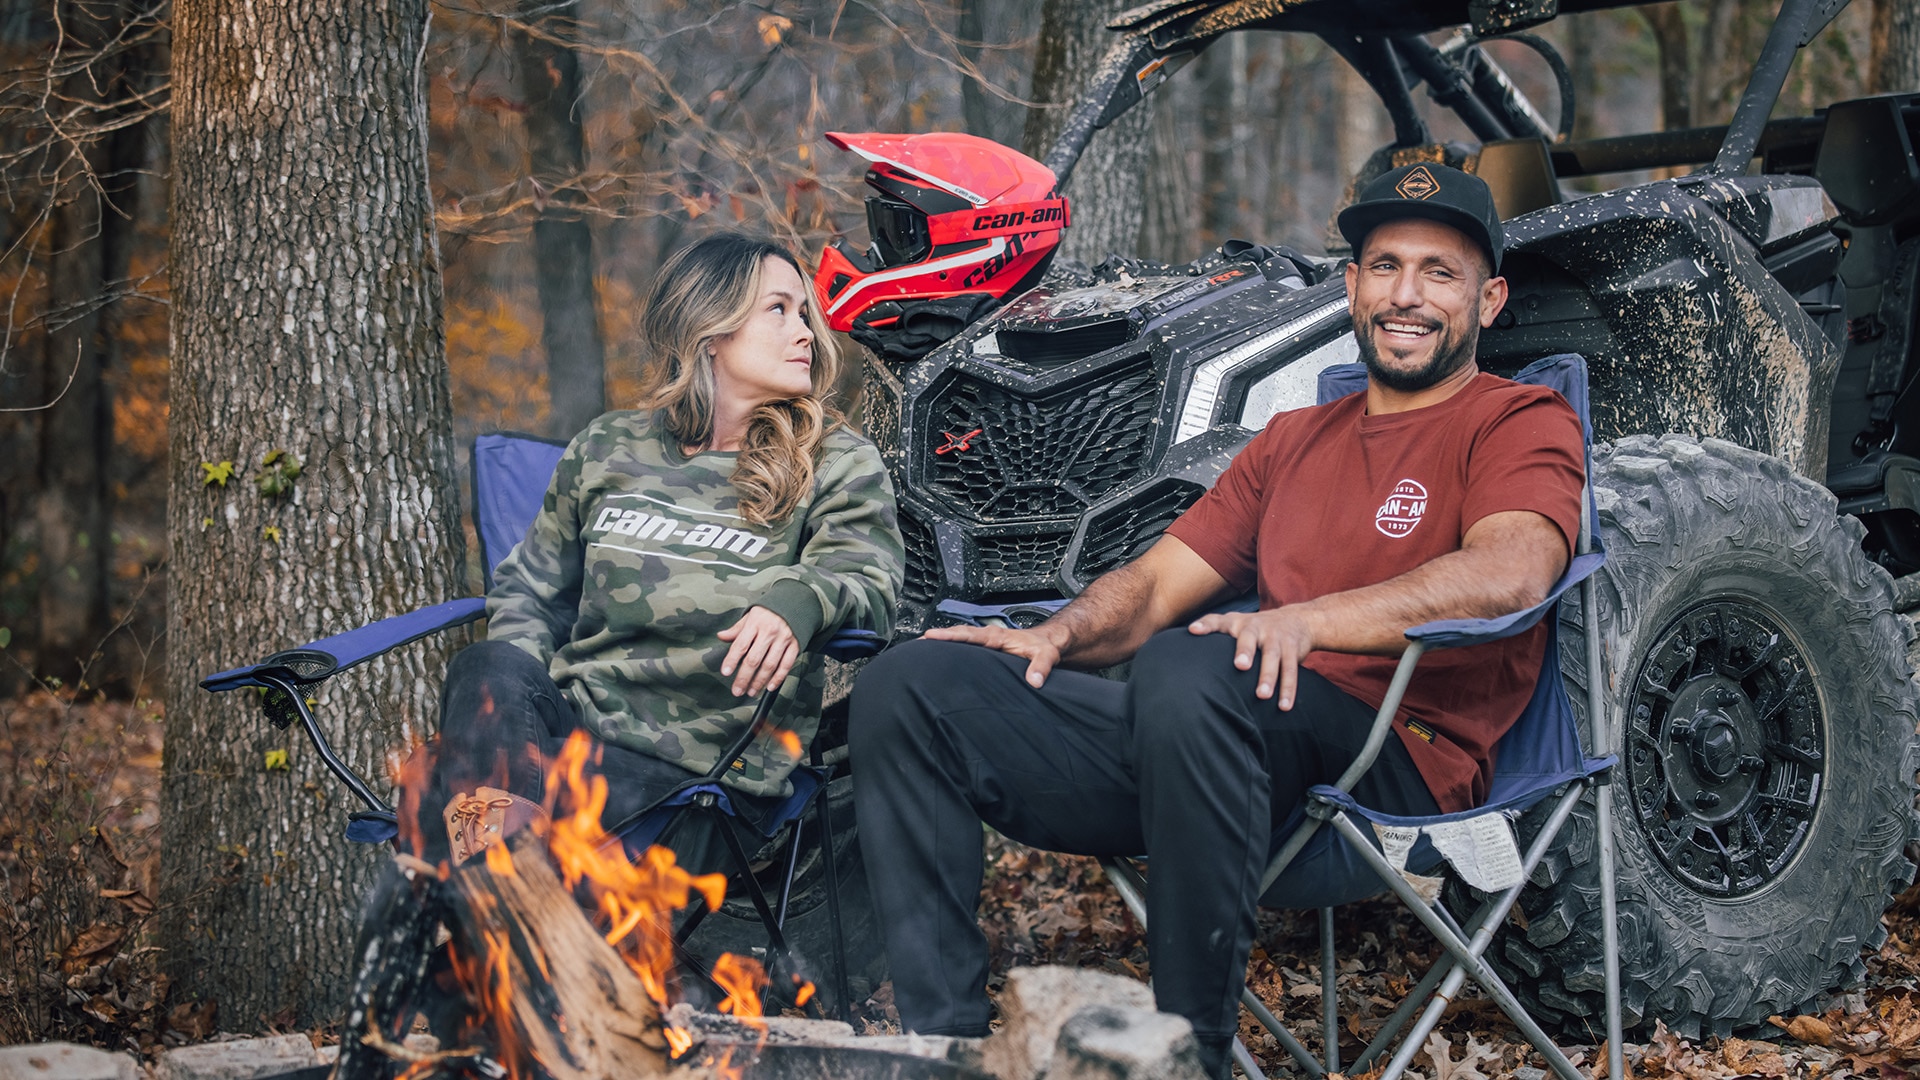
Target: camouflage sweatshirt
(638, 560)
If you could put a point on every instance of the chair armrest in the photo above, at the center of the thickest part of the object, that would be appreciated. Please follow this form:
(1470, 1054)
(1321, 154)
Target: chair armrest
(1453, 633)
(313, 662)
(846, 645)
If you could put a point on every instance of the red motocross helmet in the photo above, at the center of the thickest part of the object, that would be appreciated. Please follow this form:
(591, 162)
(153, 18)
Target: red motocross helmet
(954, 214)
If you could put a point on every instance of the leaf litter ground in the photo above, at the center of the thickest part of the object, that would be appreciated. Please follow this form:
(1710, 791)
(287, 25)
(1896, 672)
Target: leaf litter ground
(79, 849)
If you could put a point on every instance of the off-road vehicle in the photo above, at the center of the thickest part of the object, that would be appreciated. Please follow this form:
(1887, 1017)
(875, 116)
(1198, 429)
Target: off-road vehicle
(1044, 424)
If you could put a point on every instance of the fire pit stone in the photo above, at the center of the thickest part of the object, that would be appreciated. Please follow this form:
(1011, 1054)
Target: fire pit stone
(1057, 1024)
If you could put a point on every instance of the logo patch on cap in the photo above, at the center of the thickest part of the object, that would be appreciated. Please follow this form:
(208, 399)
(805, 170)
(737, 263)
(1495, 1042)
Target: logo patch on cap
(1418, 184)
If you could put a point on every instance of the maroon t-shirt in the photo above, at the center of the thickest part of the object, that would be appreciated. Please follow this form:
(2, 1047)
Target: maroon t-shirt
(1329, 499)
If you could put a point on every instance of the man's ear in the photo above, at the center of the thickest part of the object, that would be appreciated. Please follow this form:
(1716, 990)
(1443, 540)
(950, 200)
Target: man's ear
(1353, 274)
(1493, 297)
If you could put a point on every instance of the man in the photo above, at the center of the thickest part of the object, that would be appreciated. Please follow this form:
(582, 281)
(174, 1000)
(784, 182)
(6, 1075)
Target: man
(1439, 493)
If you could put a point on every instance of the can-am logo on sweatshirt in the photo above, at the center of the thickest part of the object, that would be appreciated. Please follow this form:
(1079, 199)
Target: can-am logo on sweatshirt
(660, 529)
(1402, 510)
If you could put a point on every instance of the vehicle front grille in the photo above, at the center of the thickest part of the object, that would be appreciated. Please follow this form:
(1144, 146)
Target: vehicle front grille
(1008, 563)
(1014, 457)
(923, 561)
(1121, 533)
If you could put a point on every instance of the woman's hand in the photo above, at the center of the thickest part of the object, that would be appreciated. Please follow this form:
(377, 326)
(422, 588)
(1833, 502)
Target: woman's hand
(763, 651)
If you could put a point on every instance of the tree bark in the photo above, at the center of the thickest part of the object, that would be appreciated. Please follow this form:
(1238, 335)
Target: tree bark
(996, 38)
(562, 239)
(1676, 66)
(305, 319)
(1107, 188)
(1894, 66)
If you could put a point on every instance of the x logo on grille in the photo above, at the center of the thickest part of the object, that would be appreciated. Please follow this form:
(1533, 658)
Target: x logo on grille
(955, 445)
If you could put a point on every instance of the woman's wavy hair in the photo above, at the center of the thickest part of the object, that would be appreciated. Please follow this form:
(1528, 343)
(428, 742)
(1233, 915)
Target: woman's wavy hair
(705, 292)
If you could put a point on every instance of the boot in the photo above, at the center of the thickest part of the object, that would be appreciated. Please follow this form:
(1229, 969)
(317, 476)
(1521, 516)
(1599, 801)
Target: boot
(478, 821)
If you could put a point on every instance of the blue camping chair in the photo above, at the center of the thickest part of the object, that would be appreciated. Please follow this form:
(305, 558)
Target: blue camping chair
(511, 472)
(1538, 760)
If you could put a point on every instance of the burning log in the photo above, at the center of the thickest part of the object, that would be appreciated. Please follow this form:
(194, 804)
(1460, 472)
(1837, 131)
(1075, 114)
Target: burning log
(559, 993)
(559, 955)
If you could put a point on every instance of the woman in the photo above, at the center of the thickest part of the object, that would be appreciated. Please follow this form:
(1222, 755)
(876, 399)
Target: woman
(689, 555)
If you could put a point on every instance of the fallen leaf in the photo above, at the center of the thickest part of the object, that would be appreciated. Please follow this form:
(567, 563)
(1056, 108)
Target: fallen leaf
(194, 1021)
(1808, 1029)
(93, 941)
(132, 899)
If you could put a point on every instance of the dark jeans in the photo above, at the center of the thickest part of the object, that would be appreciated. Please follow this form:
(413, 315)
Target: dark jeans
(1181, 763)
(502, 724)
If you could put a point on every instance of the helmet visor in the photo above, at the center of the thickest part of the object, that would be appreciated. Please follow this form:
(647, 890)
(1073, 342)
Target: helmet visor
(899, 231)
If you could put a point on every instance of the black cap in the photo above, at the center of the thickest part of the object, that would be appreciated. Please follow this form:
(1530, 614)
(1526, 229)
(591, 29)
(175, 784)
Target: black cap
(1435, 192)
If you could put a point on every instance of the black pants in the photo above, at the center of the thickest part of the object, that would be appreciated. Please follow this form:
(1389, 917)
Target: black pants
(502, 724)
(1181, 763)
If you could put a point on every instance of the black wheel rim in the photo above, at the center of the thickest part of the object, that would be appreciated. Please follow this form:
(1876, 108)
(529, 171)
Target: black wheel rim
(1726, 748)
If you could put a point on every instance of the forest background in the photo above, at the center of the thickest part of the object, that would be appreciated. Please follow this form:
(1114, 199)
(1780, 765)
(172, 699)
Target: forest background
(571, 145)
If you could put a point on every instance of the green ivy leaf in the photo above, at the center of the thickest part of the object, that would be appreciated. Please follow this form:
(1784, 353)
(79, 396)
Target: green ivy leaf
(271, 532)
(6, 637)
(278, 469)
(216, 474)
(277, 759)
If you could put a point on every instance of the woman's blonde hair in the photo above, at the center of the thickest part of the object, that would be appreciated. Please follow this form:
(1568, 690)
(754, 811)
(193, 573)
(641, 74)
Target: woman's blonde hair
(703, 293)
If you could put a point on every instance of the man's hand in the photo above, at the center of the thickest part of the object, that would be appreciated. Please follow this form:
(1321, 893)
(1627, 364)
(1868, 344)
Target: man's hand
(1280, 637)
(1035, 646)
(763, 651)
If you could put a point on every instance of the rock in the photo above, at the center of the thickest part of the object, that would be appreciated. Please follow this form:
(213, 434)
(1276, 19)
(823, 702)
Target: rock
(65, 1061)
(242, 1059)
(1112, 1042)
(1037, 1002)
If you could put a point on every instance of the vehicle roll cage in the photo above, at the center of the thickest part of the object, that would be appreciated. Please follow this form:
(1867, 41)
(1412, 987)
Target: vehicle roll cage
(1159, 38)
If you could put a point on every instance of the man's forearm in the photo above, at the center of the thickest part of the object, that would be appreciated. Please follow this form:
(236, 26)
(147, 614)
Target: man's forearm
(1104, 624)
(1508, 571)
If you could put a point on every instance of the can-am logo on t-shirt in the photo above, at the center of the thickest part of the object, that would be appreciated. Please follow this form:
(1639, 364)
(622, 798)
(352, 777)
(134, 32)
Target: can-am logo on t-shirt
(1402, 510)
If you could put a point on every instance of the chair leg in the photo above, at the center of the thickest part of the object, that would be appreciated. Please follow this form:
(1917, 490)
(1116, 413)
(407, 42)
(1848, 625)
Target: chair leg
(1280, 1033)
(1609, 930)
(1244, 1058)
(842, 993)
(1467, 956)
(1329, 999)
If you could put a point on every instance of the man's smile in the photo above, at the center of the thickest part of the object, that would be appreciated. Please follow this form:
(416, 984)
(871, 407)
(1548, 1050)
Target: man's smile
(1405, 331)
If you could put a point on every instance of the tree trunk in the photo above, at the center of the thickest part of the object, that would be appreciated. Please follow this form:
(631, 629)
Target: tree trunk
(996, 38)
(90, 244)
(1107, 188)
(1170, 225)
(306, 320)
(1894, 66)
(562, 239)
(1227, 130)
(1676, 67)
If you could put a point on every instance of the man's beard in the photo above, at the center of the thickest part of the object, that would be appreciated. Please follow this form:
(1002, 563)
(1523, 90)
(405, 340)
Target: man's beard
(1449, 355)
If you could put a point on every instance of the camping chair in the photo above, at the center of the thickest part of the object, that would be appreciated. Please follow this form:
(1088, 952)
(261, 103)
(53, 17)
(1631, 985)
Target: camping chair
(1539, 760)
(511, 472)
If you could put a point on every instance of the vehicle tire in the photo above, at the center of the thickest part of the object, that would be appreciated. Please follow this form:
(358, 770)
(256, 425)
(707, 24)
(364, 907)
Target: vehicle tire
(1764, 716)
(736, 927)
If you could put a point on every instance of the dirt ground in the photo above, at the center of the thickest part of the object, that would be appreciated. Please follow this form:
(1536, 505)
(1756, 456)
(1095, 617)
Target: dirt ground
(79, 849)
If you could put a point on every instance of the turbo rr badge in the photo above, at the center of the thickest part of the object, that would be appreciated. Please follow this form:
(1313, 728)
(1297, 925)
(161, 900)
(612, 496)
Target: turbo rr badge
(1418, 184)
(1402, 510)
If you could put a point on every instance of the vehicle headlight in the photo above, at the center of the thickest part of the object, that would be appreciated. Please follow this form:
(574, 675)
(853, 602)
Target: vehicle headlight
(1210, 377)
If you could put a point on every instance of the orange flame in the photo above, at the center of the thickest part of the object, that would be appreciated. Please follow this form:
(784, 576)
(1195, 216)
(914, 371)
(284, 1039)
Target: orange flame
(789, 741)
(632, 902)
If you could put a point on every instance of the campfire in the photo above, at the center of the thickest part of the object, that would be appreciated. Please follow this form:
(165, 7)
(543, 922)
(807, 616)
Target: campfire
(552, 956)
